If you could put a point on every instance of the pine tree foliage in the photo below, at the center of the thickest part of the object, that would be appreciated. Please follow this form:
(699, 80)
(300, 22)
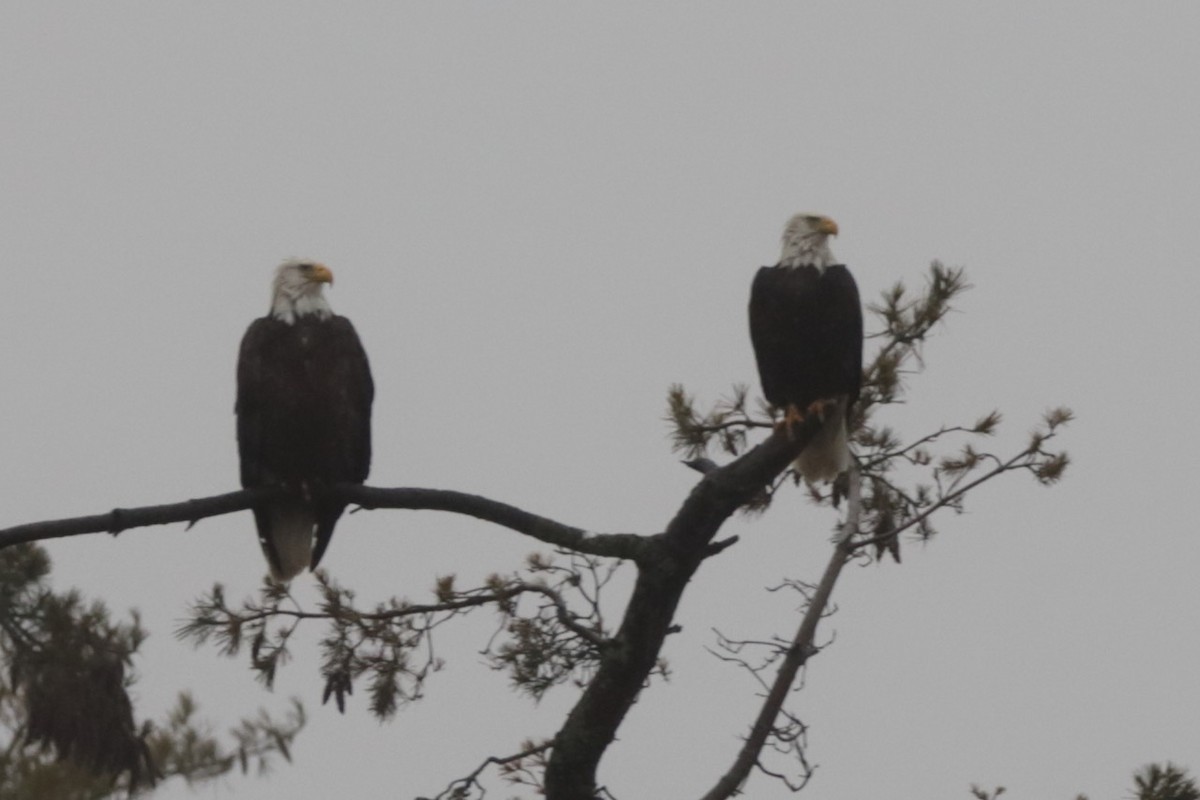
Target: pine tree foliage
(550, 628)
(1151, 782)
(65, 705)
(1164, 782)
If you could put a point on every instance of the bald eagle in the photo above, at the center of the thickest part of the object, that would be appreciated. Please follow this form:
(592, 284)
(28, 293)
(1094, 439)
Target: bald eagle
(807, 330)
(304, 395)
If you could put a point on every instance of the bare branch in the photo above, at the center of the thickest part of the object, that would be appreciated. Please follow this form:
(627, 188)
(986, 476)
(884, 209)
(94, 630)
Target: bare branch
(121, 519)
(802, 647)
(615, 545)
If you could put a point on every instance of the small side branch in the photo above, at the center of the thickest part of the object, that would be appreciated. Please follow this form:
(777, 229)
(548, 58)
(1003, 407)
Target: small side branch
(953, 486)
(513, 767)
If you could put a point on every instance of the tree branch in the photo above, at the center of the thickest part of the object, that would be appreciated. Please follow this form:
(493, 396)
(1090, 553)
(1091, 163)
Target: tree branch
(614, 545)
(461, 787)
(797, 654)
(663, 574)
(631, 546)
(958, 491)
(122, 519)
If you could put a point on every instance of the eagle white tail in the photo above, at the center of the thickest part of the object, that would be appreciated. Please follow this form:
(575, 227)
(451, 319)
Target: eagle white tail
(828, 454)
(291, 526)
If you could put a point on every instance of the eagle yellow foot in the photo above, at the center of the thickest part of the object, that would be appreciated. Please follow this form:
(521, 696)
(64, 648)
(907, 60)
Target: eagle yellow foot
(793, 418)
(821, 407)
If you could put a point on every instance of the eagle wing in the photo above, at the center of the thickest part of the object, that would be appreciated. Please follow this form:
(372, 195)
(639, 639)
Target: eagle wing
(842, 331)
(347, 379)
(806, 328)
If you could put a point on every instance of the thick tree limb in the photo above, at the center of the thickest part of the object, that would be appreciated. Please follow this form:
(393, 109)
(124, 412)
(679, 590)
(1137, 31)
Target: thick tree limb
(662, 577)
(614, 545)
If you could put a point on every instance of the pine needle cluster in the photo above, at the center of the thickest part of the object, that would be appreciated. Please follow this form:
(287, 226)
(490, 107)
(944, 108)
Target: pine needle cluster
(550, 631)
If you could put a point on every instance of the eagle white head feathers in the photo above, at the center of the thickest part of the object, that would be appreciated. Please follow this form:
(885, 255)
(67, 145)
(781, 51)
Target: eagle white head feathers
(805, 241)
(297, 290)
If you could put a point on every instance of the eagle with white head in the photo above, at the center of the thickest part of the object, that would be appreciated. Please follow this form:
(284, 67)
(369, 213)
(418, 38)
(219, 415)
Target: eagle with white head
(304, 394)
(807, 330)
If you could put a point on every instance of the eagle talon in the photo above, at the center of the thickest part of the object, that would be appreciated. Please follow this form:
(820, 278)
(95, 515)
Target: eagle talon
(792, 418)
(819, 407)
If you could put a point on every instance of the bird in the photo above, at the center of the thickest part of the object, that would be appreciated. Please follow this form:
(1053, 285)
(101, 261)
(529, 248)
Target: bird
(806, 327)
(304, 394)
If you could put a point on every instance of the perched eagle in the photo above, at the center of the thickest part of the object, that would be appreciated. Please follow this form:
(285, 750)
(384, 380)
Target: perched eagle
(304, 394)
(807, 330)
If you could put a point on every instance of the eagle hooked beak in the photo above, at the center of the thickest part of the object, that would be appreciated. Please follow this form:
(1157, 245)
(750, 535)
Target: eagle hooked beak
(827, 226)
(322, 274)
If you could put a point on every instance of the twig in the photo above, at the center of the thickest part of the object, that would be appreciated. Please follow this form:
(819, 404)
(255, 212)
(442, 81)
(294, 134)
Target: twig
(458, 788)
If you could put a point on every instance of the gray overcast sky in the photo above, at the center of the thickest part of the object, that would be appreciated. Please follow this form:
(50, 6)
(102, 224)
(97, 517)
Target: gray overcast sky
(540, 216)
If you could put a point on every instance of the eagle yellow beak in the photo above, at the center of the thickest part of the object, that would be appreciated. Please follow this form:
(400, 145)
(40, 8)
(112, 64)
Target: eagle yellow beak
(322, 274)
(827, 226)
